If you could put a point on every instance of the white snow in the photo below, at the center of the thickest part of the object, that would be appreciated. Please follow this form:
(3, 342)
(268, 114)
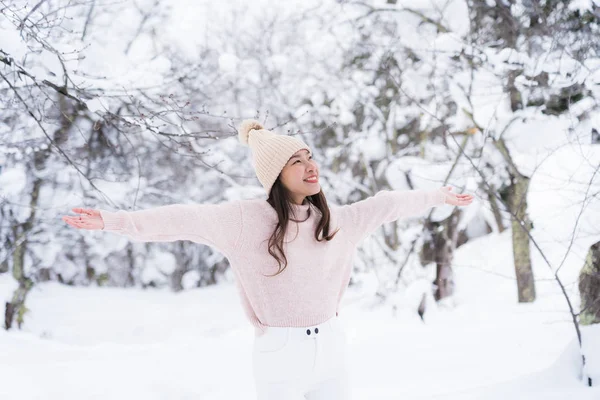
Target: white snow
(92, 343)
(12, 181)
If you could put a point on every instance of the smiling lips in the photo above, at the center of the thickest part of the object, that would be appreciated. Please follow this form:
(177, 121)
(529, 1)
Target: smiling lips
(311, 179)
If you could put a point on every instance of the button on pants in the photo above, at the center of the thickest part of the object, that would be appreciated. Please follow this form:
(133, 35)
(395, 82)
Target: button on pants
(301, 363)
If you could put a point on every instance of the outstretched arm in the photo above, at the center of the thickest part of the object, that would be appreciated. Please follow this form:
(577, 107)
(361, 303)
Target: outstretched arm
(361, 219)
(217, 225)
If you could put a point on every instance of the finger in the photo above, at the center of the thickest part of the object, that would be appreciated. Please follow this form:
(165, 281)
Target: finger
(461, 201)
(80, 210)
(73, 224)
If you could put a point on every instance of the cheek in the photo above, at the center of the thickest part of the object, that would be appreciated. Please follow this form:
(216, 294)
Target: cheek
(291, 176)
(296, 176)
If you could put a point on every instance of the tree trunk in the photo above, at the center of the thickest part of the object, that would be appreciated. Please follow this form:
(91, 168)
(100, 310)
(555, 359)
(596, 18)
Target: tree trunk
(495, 208)
(16, 308)
(589, 287)
(441, 250)
(181, 267)
(521, 226)
(520, 239)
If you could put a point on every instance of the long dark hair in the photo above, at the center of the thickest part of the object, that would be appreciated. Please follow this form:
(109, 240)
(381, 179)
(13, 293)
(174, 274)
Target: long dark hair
(280, 199)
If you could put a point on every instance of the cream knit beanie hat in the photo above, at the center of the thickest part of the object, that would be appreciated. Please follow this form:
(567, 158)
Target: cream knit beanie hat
(270, 152)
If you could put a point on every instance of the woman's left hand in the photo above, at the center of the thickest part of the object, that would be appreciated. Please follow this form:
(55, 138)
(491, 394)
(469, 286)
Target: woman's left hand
(456, 199)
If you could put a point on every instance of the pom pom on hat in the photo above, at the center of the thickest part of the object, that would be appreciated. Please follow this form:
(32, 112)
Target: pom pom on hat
(245, 127)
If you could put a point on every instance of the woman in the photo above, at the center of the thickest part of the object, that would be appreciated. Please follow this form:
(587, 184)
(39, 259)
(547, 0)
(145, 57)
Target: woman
(292, 256)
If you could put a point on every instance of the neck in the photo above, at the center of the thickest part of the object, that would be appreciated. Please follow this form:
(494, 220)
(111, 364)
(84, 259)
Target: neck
(298, 200)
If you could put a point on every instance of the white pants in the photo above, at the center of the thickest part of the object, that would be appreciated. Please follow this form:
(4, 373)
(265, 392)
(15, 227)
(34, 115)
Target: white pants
(302, 363)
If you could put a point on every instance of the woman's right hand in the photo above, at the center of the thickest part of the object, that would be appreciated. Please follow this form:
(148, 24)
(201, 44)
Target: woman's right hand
(88, 219)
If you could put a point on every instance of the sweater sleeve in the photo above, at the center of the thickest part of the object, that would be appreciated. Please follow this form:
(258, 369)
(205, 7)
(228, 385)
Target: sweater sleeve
(362, 218)
(216, 225)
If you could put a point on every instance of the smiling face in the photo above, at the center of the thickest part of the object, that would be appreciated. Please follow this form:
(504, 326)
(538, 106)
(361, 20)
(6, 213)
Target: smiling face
(300, 176)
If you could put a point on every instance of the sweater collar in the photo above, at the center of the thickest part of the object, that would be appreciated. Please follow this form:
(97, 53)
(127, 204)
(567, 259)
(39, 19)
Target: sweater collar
(300, 211)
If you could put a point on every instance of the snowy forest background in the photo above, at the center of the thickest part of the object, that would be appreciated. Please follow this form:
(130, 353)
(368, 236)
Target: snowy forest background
(135, 104)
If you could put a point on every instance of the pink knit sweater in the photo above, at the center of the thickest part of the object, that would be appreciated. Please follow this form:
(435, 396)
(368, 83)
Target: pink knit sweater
(310, 289)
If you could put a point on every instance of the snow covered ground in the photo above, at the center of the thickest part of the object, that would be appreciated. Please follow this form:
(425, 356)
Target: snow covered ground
(106, 343)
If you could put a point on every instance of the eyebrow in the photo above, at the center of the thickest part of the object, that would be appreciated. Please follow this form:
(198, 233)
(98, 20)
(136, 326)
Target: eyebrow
(298, 156)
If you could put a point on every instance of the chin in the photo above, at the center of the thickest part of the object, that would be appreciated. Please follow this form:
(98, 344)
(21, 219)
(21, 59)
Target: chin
(314, 191)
